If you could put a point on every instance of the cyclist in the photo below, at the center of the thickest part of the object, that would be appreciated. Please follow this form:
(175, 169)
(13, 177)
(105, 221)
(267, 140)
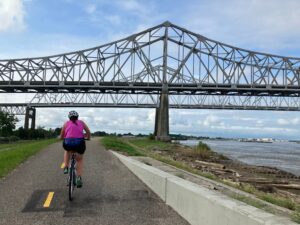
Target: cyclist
(73, 137)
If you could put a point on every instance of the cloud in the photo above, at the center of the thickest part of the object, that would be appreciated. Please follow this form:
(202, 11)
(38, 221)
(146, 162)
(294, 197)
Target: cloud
(113, 19)
(143, 10)
(268, 25)
(99, 119)
(210, 121)
(90, 8)
(125, 17)
(132, 5)
(12, 15)
(285, 122)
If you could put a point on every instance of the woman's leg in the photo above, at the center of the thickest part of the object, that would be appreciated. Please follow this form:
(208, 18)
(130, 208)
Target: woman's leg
(66, 158)
(79, 162)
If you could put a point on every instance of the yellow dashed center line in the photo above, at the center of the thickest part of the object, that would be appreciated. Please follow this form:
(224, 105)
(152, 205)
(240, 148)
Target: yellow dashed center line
(62, 166)
(48, 200)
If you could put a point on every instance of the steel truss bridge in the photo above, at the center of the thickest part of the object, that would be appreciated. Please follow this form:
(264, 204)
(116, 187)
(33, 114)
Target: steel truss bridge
(161, 67)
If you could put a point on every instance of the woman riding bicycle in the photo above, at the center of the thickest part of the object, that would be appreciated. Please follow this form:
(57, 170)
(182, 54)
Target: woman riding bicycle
(73, 137)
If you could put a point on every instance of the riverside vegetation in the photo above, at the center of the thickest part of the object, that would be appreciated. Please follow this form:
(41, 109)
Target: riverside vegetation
(267, 184)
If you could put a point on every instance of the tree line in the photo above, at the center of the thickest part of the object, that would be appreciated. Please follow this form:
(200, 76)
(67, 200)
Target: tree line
(9, 133)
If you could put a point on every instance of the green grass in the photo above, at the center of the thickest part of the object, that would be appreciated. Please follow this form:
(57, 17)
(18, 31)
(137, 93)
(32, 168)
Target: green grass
(11, 155)
(271, 198)
(118, 144)
(149, 144)
(283, 202)
(242, 186)
(249, 201)
(296, 216)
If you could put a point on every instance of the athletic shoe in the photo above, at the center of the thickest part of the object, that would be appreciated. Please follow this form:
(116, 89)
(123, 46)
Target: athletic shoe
(79, 182)
(66, 170)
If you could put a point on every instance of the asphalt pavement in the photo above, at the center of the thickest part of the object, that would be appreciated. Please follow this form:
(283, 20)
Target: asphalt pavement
(111, 194)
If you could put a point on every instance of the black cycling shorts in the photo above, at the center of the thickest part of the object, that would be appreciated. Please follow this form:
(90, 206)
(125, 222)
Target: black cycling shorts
(76, 145)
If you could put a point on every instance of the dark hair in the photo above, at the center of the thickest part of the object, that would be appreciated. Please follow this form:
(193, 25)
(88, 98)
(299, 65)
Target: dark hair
(74, 119)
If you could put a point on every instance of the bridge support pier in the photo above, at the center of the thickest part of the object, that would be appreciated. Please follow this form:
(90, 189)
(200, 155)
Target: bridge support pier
(156, 121)
(161, 130)
(30, 115)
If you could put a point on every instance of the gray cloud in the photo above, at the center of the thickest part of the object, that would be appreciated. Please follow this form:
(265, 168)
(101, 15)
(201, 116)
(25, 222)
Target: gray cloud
(12, 15)
(260, 25)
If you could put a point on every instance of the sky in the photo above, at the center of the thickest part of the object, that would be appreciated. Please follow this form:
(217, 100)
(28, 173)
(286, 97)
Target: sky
(33, 28)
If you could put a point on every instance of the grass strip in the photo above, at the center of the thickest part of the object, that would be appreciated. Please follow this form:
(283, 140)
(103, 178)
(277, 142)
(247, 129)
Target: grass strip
(250, 201)
(148, 144)
(296, 216)
(120, 145)
(276, 200)
(17, 153)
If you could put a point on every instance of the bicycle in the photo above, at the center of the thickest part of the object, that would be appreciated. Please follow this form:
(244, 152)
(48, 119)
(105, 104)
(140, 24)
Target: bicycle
(72, 176)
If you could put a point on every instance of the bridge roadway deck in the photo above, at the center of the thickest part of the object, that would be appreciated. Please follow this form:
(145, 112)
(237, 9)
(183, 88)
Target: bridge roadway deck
(251, 89)
(111, 193)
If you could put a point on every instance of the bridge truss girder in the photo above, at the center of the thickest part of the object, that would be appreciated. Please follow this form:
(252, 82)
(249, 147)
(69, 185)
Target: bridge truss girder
(231, 102)
(14, 109)
(175, 101)
(164, 55)
(190, 70)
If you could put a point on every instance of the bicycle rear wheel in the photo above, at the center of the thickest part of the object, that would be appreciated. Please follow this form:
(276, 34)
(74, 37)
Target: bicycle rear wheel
(71, 183)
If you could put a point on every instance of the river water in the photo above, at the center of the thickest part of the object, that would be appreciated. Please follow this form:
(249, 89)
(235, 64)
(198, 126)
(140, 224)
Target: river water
(283, 155)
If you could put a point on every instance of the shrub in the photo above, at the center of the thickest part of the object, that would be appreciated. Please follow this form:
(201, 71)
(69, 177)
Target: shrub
(4, 139)
(13, 138)
(202, 150)
(151, 136)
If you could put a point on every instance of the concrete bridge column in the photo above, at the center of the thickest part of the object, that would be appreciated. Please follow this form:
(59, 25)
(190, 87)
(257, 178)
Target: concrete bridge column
(30, 115)
(162, 114)
(33, 118)
(156, 122)
(162, 118)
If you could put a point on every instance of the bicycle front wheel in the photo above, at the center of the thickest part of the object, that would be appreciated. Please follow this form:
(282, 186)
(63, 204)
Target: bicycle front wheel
(71, 183)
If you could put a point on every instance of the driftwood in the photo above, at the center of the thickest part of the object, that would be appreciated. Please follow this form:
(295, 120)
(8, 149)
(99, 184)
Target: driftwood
(287, 193)
(217, 168)
(220, 172)
(263, 181)
(215, 165)
(287, 186)
(290, 195)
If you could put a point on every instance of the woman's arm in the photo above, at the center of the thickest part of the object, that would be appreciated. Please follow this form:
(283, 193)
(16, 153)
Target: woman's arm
(62, 132)
(87, 130)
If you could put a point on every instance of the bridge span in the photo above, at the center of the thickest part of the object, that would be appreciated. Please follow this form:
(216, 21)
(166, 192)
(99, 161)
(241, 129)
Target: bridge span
(161, 67)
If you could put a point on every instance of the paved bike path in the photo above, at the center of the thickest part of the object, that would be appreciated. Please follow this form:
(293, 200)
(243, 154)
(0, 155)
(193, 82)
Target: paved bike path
(111, 194)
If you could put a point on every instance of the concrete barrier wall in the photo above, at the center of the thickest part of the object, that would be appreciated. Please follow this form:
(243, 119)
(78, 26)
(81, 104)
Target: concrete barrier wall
(152, 177)
(199, 205)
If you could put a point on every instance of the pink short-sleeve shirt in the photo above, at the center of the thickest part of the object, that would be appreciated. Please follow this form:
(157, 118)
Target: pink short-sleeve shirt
(74, 129)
